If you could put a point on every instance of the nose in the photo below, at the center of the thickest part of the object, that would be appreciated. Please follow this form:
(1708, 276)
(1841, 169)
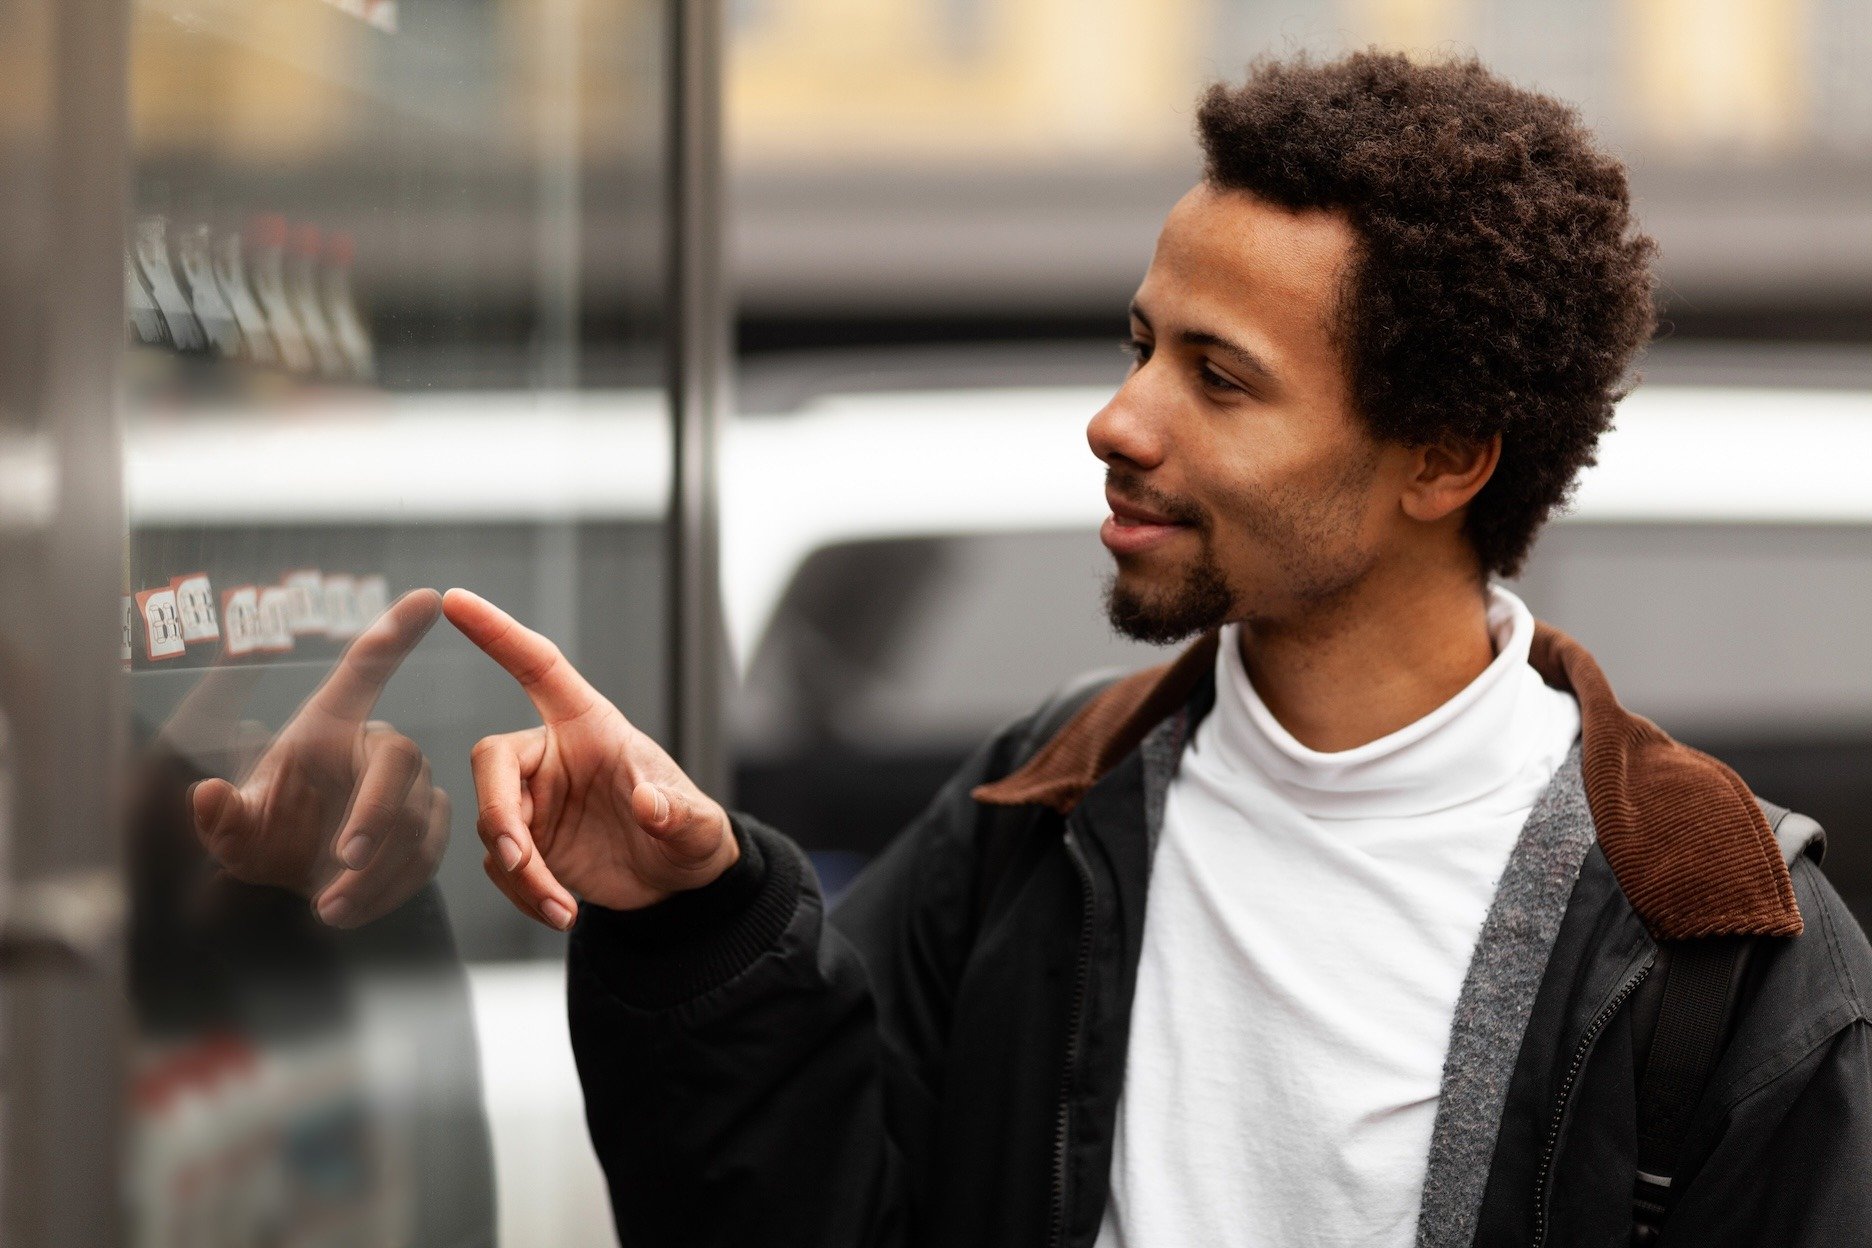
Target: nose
(1124, 431)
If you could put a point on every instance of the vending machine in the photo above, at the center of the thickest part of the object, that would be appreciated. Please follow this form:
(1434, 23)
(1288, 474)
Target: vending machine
(310, 310)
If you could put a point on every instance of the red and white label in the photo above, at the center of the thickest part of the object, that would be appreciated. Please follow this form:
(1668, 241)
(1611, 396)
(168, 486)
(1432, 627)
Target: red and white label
(129, 628)
(240, 613)
(305, 601)
(162, 624)
(276, 636)
(195, 603)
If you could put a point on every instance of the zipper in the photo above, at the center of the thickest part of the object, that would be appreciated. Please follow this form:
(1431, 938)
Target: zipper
(1544, 1174)
(1056, 1236)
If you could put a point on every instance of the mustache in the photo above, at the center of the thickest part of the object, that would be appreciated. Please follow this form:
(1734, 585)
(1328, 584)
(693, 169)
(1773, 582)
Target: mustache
(1130, 487)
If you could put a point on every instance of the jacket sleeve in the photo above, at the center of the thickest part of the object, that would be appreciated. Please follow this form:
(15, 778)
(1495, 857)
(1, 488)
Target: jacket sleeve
(756, 1073)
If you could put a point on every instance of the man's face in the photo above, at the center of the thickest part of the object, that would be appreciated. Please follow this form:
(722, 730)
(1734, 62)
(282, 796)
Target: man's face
(1243, 485)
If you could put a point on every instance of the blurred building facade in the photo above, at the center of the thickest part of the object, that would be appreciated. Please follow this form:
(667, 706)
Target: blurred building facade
(941, 161)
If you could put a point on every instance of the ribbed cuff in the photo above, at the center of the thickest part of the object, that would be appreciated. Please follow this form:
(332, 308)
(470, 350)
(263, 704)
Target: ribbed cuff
(698, 940)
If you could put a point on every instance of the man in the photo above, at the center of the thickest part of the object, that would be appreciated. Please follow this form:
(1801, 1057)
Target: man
(1409, 864)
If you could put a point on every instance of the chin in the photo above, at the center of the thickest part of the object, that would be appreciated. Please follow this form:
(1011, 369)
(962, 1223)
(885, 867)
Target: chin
(1145, 609)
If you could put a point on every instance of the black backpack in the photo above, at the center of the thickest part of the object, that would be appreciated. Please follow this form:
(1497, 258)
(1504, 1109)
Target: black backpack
(1681, 1014)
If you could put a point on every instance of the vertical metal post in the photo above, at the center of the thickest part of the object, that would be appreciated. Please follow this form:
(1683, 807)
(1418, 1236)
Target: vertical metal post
(63, 1018)
(698, 363)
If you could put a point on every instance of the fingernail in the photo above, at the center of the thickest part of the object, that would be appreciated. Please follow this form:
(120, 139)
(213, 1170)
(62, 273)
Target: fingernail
(509, 851)
(662, 805)
(333, 911)
(356, 852)
(556, 913)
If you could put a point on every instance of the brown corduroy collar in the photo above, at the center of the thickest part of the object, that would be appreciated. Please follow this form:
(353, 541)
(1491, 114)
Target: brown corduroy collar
(1690, 847)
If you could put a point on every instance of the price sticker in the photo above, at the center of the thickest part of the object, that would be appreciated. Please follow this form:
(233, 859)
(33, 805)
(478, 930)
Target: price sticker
(162, 623)
(196, 605)
(305, 601)
(276, 635)
(240, 611)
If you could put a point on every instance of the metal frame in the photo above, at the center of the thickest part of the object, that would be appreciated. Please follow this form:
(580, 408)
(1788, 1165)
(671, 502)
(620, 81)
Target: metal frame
(62, 1002)
(697, 376)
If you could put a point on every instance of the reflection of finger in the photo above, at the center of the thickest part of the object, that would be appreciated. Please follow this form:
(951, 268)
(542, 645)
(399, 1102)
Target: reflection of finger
(372, 658)
(204, 721)
(392, 878)
(251, 739)
(219, 814)
(557, 690)
(380, 809)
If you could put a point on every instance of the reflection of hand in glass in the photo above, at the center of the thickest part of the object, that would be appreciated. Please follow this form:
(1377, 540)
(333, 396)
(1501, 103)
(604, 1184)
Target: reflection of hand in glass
(338, 807)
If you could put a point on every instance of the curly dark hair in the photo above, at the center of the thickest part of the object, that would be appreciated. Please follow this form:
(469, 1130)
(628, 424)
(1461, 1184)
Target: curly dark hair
(1500, 285)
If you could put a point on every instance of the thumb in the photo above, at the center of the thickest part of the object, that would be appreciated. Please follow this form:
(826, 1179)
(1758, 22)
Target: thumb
(689, 828)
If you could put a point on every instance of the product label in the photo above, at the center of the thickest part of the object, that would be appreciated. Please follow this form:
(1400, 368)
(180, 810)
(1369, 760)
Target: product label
(162, 624)
(195, 602)
(240, 611)
(276, 635)
(129, 628)
(305, 601)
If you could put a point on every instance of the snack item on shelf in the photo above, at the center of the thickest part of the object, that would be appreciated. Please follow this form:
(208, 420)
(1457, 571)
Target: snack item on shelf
(152, 256)
(211, 308)
(302, 284)
(341, 310)
(230, 270)
(266, 238)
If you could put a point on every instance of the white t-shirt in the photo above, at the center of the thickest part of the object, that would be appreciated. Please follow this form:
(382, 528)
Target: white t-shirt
(1310, 921)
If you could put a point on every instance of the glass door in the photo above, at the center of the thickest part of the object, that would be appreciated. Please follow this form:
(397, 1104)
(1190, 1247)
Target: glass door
(392, 303)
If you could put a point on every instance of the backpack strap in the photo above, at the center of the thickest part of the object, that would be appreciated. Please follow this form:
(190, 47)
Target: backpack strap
(997, 850)
(1679, 1028)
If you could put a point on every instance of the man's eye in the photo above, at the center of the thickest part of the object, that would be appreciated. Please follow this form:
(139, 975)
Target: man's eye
(1216, 381)
(1136, 348)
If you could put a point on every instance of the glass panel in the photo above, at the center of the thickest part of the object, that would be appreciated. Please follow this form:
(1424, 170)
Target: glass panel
(394, 288)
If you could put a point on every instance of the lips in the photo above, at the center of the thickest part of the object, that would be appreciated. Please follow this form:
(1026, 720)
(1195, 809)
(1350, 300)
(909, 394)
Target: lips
(1131, 528)
(1131, 513)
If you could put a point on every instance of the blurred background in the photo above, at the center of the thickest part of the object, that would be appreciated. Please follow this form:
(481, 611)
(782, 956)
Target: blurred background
(403, 306)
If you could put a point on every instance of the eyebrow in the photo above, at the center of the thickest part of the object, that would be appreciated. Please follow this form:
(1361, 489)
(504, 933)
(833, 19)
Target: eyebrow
(1240, 356)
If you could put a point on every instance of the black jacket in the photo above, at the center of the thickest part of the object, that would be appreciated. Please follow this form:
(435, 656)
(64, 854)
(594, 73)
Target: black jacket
(939, 1062)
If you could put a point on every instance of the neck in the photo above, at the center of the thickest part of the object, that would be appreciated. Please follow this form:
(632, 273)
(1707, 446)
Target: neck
(1383, 655)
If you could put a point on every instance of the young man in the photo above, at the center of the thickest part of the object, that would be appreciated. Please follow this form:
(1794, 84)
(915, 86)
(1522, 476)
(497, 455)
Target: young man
(1409, 864)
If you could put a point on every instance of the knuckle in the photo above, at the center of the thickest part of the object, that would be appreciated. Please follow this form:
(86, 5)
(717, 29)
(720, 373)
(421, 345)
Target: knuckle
(402, 751)
(548, 658)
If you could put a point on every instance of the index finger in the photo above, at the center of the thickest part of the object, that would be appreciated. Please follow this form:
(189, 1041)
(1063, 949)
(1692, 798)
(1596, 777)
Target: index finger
(372, 658)
(553, 685)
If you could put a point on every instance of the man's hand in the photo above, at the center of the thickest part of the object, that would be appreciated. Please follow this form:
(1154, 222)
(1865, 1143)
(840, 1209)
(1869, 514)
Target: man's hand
(585, 805)
(338, 807)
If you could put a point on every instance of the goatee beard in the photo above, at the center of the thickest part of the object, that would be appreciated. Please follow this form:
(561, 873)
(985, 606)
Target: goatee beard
(1200, 603)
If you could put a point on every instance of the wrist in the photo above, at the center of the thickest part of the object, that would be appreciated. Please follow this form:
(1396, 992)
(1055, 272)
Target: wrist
(699, 939)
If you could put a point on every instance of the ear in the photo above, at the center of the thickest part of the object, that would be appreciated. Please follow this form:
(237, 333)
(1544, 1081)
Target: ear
(1446, 475)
